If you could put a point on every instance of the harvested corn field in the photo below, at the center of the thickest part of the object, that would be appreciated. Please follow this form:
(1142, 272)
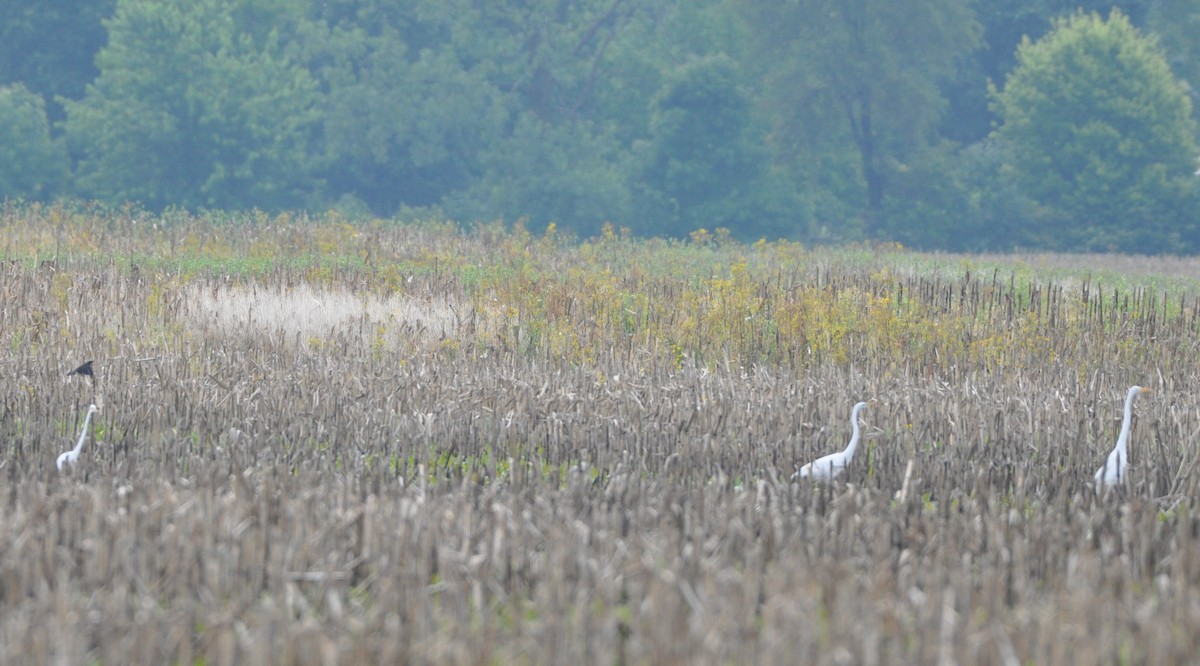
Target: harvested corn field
(379, 443)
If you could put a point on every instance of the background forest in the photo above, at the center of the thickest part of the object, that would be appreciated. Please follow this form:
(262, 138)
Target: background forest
(1053, 124)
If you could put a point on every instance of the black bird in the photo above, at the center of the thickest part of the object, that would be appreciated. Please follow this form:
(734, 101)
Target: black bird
(85, 369)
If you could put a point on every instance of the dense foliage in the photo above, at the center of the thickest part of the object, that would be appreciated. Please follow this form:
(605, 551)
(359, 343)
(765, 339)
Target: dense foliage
(1100, 131)
(31, 161)
(813, 120)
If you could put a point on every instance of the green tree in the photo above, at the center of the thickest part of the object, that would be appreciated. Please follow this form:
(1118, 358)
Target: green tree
(50, 45)
(33, 165)
(1005, 23)
(701, 162)
(527, 109)
(405, 123)
(571, 173)
(857, 79)
(199, 104)
(514, 109)
(1101, 137)
(1177, 22)
(958, 199)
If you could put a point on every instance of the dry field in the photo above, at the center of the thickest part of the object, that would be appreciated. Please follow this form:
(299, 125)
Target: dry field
(323, 444)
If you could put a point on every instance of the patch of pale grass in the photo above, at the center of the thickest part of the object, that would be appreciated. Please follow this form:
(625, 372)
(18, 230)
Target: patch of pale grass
(1125, 264)
(314, 315)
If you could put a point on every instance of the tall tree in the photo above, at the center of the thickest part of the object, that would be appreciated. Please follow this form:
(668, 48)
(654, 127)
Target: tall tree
(1177, 22)
(861, 75)
(404, 121)
(198, 103)
(701, 162)
(1101, 136)
(33, 165)
(50, 45)
(571, 173)
(1005, 23)
(504, 109)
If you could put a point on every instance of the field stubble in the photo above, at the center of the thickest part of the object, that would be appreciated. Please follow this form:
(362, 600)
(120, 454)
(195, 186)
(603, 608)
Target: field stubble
(492, 447)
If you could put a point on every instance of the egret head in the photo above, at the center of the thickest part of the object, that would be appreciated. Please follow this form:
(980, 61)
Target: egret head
(1134, 391)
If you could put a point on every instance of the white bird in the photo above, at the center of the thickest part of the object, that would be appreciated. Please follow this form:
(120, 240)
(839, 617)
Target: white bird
(1113, 470)
(73, 455)
(830, 466)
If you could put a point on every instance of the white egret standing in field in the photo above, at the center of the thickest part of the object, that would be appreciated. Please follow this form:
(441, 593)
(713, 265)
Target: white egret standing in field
(73, 455)
(830, 466)
(1113, 470)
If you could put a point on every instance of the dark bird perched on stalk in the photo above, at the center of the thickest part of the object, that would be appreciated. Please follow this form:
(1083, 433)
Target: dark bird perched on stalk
(85, 369)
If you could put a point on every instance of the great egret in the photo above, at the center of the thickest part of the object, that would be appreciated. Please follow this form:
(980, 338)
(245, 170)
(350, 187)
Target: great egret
(1113, 470)
(830, 466)
(85, 369)
(73, 455)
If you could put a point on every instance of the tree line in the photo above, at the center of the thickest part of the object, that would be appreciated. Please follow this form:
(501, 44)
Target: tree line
(937, 123)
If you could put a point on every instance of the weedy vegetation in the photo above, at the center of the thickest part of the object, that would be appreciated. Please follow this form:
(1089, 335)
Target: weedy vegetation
(322, 442)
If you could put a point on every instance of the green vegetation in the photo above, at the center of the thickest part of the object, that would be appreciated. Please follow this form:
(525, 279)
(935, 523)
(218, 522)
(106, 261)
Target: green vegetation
(195, 108)
(32, 163)
(872, 70)
(1100, 130)
(863, 121)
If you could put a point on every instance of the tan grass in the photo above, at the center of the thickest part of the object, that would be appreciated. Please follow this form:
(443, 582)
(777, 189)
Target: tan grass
(316, 314)
(597, 474)
(1127, 264)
